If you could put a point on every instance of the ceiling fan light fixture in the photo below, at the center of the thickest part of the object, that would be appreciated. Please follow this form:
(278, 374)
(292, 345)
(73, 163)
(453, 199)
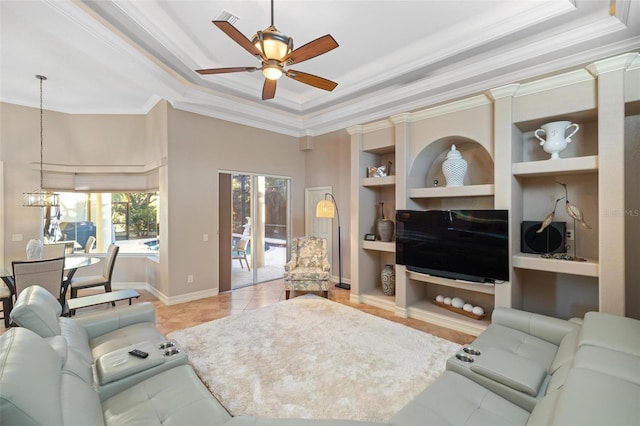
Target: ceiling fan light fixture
(272, 43)
(272, 71)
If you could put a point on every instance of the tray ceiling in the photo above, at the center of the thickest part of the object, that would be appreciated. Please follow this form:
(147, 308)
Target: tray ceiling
(121, 57)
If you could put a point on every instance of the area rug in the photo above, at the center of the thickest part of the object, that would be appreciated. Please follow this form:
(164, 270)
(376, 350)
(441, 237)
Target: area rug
(309, 357)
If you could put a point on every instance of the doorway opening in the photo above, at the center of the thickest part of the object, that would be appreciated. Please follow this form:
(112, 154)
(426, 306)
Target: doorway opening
(260, 228)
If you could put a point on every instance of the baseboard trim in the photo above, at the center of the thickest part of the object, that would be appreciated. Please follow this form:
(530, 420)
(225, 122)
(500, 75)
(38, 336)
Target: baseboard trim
(166, 300)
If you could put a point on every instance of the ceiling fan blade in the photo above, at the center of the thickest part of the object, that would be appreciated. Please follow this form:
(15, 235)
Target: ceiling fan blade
(269, 89)
(238, 37)
(225, 70)
(311, 50)
(312, 80)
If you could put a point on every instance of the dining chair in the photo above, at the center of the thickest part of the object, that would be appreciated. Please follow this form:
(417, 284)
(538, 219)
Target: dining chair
(240, 253)
(52, 251)
(47, 273)
(89, 244)
(104, 280)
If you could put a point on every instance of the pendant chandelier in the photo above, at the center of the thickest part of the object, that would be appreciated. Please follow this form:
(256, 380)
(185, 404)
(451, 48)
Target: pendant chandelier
(40, 197)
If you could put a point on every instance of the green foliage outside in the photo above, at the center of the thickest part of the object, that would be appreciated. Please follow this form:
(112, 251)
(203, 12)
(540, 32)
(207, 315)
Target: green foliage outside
(135, 213)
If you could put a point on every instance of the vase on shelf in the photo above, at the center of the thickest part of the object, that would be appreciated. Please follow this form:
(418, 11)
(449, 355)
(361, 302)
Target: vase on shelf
(388, 276)
(555, 141)
(384, 226)
(454, 168)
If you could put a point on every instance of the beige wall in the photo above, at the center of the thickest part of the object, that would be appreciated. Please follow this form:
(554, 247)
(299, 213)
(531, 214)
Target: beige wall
(328, 163)
(188, 151)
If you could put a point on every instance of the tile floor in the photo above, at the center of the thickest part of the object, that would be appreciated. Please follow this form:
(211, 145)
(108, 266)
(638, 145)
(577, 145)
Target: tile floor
(176, 317)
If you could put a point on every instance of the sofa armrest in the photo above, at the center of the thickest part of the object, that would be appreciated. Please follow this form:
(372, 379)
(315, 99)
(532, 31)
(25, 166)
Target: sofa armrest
(102, 322)
(543, 327)
(511, 370)
(326, 267)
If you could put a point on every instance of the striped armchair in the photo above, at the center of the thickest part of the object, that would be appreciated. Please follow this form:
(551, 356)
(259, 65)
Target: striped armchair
(309, 268)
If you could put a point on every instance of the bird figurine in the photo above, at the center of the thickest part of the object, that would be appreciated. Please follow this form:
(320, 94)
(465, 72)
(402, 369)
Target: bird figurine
(572, 210)
(549, 218)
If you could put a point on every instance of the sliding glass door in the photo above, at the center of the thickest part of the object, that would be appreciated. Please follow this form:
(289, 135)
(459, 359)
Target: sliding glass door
(259, 228)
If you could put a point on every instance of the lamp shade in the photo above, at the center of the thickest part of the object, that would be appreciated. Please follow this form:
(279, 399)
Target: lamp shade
(272, 43)
(325, 208)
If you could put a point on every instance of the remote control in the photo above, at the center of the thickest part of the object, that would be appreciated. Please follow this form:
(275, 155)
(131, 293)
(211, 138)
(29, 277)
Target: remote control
(139, 353)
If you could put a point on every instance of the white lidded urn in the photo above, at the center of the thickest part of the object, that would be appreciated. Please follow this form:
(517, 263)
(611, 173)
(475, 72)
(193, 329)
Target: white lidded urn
(556, 141)
(454, 168)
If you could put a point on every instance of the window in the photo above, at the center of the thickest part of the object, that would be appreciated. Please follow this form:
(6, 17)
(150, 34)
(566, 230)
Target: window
(130, 219)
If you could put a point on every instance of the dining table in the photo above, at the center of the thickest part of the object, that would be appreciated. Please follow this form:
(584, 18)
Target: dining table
(71, 265)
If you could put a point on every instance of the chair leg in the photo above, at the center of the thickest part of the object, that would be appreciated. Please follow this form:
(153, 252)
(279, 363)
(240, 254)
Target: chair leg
(107, 289)
(286, 294)
(247, 262)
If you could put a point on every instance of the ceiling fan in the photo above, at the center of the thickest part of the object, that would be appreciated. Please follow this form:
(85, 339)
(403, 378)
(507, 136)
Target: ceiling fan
(275, 51)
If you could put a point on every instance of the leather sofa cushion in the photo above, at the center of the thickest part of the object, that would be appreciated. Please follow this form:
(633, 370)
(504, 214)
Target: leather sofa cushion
(455, 400)
(37, 310)
(517, 342)
(566, 350)
(123, 337)
(77, 339)
(30, 380)
(593, 398)
(612, 332)
(513, 371)
(173, 397)
(543, 327)
(613, 363)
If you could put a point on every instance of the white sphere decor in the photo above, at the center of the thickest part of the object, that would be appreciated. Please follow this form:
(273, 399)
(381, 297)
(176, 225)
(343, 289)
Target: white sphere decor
(468, 307)
(457, 302)
(440, 298)
(447, 300)
(478, 310)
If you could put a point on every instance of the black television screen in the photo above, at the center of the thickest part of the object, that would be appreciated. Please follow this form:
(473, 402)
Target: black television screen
(470, 245)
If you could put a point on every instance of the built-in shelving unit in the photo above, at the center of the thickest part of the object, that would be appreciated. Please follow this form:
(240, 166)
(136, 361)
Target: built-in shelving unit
(562, 166)
(484, 190)
(508, 169)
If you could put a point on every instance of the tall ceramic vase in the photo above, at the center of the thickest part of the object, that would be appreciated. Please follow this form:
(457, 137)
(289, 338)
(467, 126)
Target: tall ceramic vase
(454, 168)
(388, 276)
(384, 226)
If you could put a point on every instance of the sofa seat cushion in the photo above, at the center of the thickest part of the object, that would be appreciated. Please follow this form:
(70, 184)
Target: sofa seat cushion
(123, 337)
(455, 400)
(173, 397)
(517, 342)
(304, 274)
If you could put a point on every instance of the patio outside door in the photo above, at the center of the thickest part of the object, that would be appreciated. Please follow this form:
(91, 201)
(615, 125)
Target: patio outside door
(259, 228)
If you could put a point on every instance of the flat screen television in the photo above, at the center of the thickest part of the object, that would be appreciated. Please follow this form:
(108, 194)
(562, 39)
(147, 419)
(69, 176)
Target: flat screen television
(469, 245)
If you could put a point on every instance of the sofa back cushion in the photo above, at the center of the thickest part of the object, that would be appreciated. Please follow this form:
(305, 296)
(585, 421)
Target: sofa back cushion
(37, 310)
(30, 373)
(39, 387)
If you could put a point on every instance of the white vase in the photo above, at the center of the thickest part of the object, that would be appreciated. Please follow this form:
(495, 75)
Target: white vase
(454, 168)
(555, 141)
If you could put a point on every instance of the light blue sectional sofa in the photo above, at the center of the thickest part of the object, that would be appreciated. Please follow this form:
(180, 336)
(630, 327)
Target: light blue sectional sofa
(525, 369)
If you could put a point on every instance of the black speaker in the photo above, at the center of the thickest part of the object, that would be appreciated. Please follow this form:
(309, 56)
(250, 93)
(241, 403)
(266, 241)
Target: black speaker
(550, 240)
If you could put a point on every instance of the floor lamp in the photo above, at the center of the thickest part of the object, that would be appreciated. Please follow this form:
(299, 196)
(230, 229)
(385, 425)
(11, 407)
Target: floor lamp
(329, 209)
